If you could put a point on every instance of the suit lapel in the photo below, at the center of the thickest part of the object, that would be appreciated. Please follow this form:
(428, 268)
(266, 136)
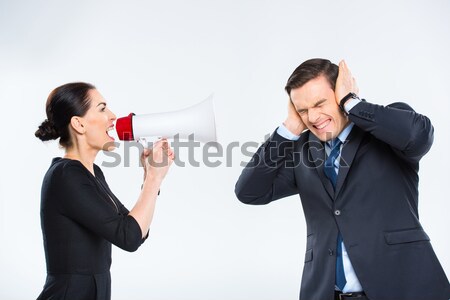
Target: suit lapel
(348, 153)
(317, 151)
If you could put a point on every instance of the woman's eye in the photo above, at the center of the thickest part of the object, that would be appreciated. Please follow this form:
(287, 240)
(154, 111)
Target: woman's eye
(103, 109)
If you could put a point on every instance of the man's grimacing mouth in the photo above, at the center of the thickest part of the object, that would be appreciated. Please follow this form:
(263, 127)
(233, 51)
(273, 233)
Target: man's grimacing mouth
(323, 124)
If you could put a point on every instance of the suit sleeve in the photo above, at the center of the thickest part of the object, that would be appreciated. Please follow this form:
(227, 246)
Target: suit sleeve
(269, 175)
(82, 202)
(408, 133)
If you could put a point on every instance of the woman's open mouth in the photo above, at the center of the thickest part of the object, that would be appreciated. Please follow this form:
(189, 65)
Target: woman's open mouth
(107, 132)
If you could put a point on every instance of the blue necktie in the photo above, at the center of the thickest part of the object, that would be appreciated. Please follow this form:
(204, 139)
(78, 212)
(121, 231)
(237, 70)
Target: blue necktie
(330, 172)
(329, 169)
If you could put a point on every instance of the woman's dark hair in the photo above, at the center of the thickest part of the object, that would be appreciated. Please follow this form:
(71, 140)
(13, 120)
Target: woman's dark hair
(63, 103)
(312, 69)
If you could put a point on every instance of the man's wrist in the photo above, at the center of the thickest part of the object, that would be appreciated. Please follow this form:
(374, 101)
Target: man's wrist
(285, 132)
(294, 127)
(350, 104)
(343, 101)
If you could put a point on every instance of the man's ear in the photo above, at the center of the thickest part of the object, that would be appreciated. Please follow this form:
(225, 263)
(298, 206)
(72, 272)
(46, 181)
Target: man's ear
(77, 124)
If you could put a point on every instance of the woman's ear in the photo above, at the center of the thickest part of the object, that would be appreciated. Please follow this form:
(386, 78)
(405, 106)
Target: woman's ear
(77, 124)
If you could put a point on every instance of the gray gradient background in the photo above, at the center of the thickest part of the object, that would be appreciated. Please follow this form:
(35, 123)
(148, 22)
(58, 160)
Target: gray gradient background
(153, 56)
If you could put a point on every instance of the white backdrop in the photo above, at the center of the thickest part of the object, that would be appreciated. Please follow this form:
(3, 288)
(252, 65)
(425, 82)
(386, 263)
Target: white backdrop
(156, 56)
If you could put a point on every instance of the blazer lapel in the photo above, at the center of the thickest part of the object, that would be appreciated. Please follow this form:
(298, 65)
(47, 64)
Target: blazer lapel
(348, 153)
(317, 151)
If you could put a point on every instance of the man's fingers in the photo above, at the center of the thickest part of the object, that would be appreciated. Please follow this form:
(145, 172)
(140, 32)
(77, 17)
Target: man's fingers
(342, 67)
(344, 70)
(355, 86)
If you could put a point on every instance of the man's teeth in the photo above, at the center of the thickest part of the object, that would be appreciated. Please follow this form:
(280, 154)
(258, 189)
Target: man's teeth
(323, 125)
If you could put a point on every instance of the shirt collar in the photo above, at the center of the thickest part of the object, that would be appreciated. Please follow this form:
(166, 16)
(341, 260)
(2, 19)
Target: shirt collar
(344, 133)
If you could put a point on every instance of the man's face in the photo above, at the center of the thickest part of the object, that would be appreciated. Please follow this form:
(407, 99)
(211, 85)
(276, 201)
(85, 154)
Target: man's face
(316, 104)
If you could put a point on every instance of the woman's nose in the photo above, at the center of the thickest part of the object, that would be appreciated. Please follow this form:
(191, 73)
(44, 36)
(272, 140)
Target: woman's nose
(113, 116)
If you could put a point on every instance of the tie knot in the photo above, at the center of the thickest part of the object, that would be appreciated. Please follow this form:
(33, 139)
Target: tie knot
(334, 143)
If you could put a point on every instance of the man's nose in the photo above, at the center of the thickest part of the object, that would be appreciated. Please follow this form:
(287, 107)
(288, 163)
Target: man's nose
(313, 115)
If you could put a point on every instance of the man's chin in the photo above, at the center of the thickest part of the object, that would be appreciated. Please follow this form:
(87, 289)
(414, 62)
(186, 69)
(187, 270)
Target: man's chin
(323, 136)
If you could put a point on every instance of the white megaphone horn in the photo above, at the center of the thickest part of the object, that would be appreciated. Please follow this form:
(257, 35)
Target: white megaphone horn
(197, 122)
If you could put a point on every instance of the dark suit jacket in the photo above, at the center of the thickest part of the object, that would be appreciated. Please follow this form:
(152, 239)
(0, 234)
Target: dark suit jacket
(375, 205)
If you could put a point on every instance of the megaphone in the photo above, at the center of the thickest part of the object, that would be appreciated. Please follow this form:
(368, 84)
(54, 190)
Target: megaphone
(197, 121)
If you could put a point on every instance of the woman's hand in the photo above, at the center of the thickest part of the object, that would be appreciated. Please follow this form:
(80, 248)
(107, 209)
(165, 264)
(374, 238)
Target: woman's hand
(157, 160)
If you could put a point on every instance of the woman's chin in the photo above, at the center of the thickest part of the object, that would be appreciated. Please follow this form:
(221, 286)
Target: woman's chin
(109, 146)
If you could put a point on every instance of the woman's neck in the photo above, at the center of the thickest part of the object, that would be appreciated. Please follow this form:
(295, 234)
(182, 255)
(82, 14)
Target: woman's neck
(86, 157)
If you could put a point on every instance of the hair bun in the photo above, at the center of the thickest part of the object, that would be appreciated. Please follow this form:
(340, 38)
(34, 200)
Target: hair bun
(47, 131)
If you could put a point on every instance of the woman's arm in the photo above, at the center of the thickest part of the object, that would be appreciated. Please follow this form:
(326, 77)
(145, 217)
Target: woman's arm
(157, 162)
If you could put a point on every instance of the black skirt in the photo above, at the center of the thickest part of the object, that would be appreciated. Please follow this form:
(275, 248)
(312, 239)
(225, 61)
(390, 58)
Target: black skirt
(77, 287)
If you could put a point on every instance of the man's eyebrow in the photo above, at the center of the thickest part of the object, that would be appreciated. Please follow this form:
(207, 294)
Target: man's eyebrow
(315, 105)
(319, 102)
(104, 103)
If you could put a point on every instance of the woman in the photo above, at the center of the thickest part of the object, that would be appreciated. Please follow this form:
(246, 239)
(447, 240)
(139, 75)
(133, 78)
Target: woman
(80, 216)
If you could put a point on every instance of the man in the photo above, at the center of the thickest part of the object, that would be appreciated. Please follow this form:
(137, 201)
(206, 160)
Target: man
(355, 166)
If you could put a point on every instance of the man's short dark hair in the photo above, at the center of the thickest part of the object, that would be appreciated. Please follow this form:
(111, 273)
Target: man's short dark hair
(312, 69)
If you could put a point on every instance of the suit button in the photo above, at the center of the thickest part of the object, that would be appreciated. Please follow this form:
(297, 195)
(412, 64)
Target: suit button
(337, 212)
(330, 252)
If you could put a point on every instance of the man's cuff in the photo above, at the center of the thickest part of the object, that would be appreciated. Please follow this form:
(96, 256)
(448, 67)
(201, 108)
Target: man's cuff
(350, 104)
(284, 132)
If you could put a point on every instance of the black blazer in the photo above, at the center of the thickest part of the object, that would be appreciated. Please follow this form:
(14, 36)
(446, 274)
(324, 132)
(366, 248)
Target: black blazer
(375, 205)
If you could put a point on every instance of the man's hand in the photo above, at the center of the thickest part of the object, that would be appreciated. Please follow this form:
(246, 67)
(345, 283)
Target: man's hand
(293, 121)
(345, 83)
